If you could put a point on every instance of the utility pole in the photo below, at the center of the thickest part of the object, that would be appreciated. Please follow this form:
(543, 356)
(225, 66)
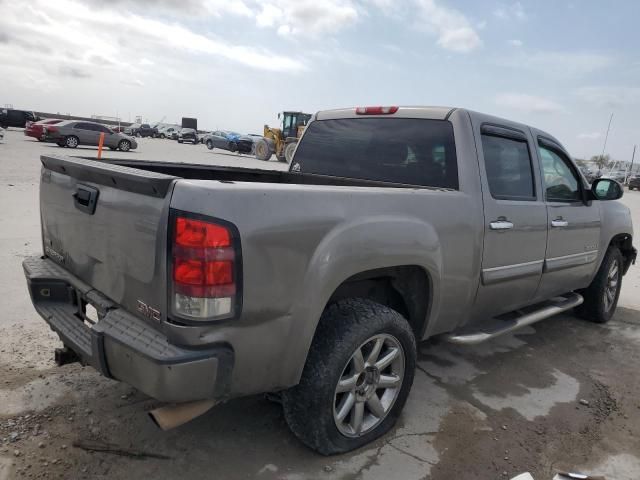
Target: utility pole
(633, 156)
(604, 147)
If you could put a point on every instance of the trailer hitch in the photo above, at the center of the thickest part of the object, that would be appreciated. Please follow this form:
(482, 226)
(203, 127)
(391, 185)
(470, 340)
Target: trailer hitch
(65, 355)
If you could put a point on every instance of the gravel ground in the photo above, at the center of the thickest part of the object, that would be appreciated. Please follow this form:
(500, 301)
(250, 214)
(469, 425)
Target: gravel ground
(560, 395)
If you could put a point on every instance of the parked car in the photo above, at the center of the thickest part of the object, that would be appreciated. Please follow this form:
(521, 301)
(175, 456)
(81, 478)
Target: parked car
(634, 182)
(141, 130)
(1, 134)
(37, 129)
(231, 141)
(188, 135)
(167, 132)
(10, 117)
(393, 225)
(71, 133)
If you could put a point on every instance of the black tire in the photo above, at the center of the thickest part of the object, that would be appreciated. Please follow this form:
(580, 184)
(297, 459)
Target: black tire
(61, 144)
(124, 145)
(343, 328)
(209, 144)
(179, 141)
(71, 141)
(595, 307)
(233, 147)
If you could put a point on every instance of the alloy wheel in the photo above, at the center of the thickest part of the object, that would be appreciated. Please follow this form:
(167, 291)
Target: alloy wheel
(369, 385)
(611, 287)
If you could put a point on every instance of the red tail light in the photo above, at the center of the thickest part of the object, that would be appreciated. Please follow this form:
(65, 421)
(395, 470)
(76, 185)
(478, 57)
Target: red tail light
(205, 269)
(376, 110)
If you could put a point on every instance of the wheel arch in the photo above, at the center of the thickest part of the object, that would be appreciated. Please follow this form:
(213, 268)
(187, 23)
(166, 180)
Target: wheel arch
(624, 243)
(399, 265)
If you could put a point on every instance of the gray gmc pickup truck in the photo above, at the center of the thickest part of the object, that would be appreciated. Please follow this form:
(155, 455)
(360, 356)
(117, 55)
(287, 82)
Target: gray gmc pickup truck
(197, 284)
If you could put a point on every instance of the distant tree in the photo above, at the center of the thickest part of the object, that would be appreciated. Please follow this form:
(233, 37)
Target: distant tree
(601, 161)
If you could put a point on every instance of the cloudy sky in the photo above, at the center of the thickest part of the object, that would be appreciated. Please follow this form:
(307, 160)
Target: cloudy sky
(563, 66)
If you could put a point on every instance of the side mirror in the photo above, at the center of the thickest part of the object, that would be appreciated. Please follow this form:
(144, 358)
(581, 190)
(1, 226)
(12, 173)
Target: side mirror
(606, 189)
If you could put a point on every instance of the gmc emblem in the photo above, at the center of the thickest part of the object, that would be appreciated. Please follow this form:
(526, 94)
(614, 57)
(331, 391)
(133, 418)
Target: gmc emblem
(148, 312)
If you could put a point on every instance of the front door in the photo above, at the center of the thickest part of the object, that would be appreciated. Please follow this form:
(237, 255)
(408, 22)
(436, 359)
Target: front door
(574, 224)
(515, 234)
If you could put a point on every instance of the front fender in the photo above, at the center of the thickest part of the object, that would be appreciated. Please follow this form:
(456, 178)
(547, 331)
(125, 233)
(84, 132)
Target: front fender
(355, 247)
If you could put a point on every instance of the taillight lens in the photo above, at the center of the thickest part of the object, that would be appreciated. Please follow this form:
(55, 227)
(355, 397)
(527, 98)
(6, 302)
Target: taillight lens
(205, 268)
(376, 110)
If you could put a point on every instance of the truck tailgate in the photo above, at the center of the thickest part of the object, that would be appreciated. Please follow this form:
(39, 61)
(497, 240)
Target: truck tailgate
(107, 224)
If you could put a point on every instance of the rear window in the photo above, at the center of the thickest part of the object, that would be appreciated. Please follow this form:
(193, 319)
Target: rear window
(396, 150)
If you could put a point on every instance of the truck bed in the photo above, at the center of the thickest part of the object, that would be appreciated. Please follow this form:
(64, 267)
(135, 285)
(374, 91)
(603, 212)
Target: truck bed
(240, 174)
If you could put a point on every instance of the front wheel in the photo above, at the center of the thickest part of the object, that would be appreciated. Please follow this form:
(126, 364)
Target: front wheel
(263, 149)
(601, 297)
(71, 141)
(356, 380)
(124, 145)
(209, 144)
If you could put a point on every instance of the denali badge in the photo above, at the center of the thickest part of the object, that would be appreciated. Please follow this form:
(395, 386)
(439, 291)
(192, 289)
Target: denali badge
(148, 312)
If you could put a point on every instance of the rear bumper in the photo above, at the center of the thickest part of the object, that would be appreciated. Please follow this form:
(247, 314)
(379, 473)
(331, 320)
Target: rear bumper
(122, 346)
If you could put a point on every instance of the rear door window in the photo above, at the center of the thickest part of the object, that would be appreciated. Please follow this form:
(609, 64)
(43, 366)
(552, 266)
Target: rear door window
(508, 165)
(396, 150)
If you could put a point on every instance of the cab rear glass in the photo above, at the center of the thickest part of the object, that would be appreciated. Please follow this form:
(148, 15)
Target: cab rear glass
(395, 150)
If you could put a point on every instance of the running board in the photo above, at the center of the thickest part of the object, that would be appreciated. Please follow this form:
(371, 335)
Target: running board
(492, 329)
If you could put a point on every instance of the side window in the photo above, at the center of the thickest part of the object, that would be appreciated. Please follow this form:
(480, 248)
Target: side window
(560, 181)
(509, 169)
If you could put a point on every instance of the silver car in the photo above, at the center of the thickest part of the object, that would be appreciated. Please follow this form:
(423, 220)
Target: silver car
(72, 133)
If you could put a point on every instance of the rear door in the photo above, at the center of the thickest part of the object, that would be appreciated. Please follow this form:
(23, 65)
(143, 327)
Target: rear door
(574, 223)
(515, 231)
(86, 133)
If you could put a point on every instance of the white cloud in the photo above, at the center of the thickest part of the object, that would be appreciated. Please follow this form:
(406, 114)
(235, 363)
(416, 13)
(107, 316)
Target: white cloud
(609, 97)
(74, 27)
(514, 11)
(564, 64)
(515, 42)
(590, 136)
(307, 17)
(453, 30)
(527, 103)
(220, 7)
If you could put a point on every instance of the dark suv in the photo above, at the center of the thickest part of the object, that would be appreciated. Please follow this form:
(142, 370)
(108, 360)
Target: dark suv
(10, 117)
(141, 130)
(634, 182)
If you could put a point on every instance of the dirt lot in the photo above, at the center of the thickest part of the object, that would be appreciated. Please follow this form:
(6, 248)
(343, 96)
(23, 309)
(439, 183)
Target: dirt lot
(561, 395)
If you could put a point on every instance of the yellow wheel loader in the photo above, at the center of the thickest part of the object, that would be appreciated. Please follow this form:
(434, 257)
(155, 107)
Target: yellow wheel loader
(282, 141)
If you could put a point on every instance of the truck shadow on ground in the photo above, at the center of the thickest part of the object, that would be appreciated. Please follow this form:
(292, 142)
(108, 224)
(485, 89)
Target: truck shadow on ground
(550, 395)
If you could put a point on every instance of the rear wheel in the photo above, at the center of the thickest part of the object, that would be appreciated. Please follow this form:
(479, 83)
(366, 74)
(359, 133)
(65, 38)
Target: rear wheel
(288, 151)
(356, 380)
(233, 147)
(124, 145)
(71, 141)
(601, 297)
(209, 144)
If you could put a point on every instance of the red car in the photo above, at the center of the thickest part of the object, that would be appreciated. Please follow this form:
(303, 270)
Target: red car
(37, 129)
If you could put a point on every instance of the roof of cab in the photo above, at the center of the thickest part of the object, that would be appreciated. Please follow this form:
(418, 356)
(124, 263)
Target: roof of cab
(432, 113)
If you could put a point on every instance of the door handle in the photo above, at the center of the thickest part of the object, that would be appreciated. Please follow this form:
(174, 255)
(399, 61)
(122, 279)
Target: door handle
(559, 222)
(501, 224)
